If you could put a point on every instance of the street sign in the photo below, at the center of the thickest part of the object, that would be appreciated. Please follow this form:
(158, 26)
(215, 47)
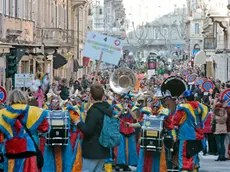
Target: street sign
(199, 81)
(23, 80)
(151, 72)
(226, 96)
(103, 47)
(207, 86)
(191, 78)
(194, 52)
(3, 95)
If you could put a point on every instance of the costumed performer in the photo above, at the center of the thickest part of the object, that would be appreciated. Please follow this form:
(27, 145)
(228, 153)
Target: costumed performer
(14, 120)
(56, 158)
(126, 152)
(190, 117)
(150, 161)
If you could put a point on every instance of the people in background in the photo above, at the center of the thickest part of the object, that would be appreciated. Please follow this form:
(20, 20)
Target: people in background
(220, 129)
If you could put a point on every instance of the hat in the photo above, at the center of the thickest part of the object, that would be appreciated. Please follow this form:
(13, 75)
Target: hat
(218, 105)
(156, 103)
(187, 93)
(127, 95)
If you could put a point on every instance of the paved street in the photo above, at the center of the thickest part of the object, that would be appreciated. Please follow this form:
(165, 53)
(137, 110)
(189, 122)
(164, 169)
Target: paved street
(208, 164)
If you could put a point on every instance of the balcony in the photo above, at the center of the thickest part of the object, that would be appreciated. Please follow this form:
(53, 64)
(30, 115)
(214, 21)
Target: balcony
(117, 3)
(17, 30)
(210, 43)
(154, 42)
(55, 36)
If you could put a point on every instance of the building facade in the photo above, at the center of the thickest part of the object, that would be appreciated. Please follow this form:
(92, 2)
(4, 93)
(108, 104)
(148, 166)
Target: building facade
(41, 31)
(194, 26)
(115, 18)
(164, 36)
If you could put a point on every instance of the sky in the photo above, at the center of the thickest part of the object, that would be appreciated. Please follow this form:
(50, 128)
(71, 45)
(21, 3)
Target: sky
(140, 11)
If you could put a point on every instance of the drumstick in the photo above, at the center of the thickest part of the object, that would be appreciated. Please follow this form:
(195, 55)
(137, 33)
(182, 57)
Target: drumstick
(123, 122)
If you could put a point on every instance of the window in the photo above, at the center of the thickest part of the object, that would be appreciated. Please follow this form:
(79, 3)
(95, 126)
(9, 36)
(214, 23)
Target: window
(25, 67)
(6, 7)
(166, 34)
(26, 9)
(16, 8)
(156, 33)
(11, 6)
(197, 28)
(1, 3)
(131, 35)
(108, 10)
(31, 10)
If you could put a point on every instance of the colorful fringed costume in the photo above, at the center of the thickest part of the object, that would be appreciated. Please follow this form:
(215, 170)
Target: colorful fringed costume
(126, 152)
(143, 111)
(15, 140)
(190, 118)
(154, 161)
(65, 158)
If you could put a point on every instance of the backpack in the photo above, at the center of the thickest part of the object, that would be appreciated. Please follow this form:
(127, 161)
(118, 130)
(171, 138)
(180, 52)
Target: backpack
(110, 133)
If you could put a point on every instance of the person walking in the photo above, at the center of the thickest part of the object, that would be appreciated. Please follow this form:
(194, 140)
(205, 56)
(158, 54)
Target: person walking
(220, 128)
(94, 154)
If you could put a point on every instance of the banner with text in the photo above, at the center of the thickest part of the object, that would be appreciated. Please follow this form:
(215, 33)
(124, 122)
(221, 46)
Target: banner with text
(97, 43)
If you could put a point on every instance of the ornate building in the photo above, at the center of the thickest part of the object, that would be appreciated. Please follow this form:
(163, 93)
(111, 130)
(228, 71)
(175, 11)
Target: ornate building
(164, 36)
(40, 32)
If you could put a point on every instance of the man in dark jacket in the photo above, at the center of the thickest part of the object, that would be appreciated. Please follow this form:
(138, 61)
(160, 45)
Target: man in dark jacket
(64, 91)
(94, 154)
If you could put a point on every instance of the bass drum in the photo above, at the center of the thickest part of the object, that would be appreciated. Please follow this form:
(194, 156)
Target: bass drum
(175, 85)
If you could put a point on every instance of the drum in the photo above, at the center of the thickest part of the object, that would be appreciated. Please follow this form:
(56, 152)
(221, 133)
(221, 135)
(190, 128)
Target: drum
(60, 125)
(152, 133)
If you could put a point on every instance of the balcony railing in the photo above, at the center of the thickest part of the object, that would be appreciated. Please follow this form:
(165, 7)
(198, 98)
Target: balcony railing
(54, 36)
(210, 43)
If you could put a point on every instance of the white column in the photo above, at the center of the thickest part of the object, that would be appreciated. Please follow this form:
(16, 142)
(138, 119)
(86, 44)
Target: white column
(7, 7)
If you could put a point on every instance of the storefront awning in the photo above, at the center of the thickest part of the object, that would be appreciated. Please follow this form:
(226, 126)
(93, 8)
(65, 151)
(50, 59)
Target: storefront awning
(58, 60)
(200, 58)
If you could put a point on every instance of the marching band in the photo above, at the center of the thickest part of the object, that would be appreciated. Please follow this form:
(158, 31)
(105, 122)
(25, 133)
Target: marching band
(159, 133)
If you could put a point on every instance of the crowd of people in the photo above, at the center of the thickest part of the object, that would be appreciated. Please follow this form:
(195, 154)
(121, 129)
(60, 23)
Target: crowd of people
(194, 117)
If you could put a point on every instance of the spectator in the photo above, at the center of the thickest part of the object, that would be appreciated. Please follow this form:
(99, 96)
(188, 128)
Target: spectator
(77, 86)
(84, 83)
(217, 89)
(64, 91)
(227, 139)
(209, 135)
(71, 82)
(93, 152)
(197, 93)
(220, 128)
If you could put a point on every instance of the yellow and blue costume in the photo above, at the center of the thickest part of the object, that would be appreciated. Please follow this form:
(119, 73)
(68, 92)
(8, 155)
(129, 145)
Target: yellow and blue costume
(15, 140)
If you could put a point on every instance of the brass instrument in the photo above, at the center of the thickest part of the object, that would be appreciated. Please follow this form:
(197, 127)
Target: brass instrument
(125, 108)
(122, 80)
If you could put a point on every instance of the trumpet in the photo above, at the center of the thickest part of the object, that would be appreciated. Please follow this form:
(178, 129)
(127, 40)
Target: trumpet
(126, 108)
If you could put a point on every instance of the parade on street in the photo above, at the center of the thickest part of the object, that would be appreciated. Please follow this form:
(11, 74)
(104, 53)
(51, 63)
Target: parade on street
(114, 85)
